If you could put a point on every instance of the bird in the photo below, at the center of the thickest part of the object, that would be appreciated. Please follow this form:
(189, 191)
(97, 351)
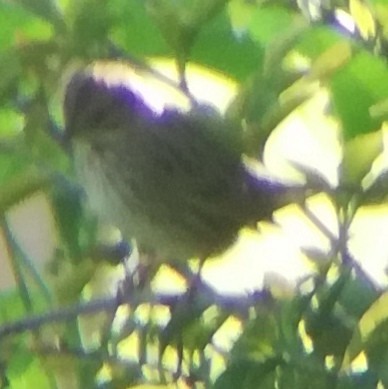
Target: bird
(171, 178)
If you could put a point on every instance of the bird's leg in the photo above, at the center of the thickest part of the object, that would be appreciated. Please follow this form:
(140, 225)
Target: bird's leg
(196, 281)
(147, 265)
(192, 277)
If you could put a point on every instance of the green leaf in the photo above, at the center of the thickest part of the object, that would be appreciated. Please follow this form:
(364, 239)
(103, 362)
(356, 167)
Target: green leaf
(268, 23)
(90, 24)
(356, 297)
(376, 349)
(329, 329)
(259, 339)
(20, 362)
(21, 186)
(240, 13)
(375, 316)
(205, 10)
(331, 60)
(355, 88)
(10, 70)
(198, 333)
(11, 306)
(68, 213)
(45, 9)
(316, 40)
(23, 368)
(11, 123)
(249, 374)
(218, 47)
(17, 25)
(215, 46)
(175, 23)
(134, 30)
(358, 155)
(304, 373)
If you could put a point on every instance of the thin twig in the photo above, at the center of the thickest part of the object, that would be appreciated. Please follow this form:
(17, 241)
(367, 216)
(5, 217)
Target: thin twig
(237, 304)
(60, 315)
(339, 244)
(26, 261)
(17, 272)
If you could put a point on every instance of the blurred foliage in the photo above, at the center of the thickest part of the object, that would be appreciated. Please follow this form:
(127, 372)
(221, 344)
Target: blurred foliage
(310, 339)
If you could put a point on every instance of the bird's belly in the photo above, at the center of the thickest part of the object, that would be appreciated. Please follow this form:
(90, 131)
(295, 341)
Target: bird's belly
(152, 226)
